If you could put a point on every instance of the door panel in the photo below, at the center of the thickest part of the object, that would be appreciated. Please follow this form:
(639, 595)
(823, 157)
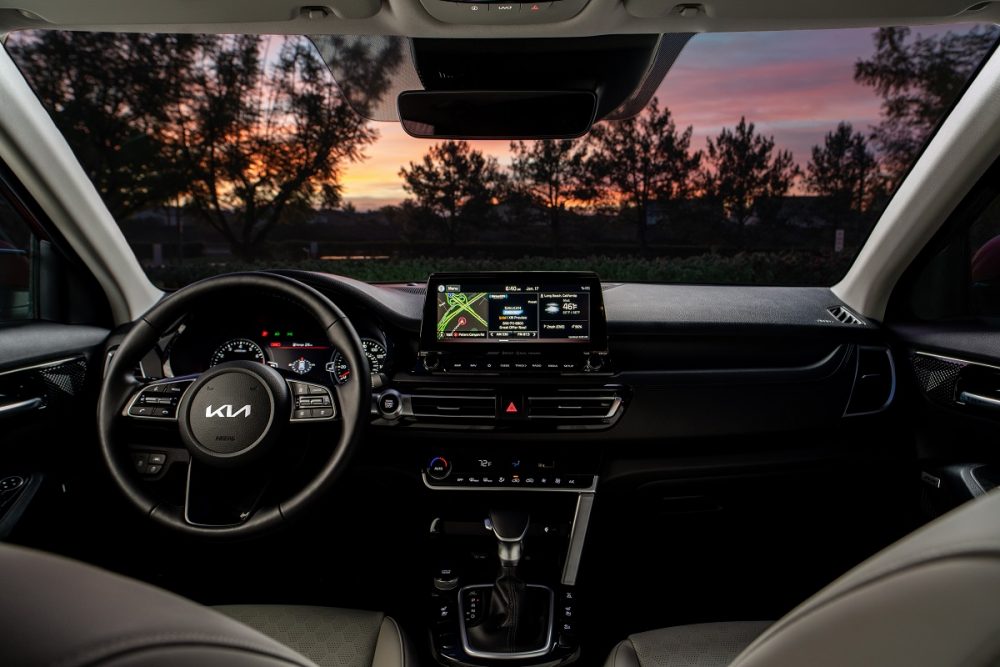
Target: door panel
(48, 378)
(953, 370)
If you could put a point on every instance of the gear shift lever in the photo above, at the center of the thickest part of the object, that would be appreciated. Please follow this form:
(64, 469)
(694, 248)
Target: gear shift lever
(509, 527)
(517, 619)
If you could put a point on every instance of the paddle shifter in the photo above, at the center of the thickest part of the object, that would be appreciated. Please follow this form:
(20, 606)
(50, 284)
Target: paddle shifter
(517, 617)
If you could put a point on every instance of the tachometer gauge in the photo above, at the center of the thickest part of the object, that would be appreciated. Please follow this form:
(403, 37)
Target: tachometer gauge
(239, 349)
(340, 371)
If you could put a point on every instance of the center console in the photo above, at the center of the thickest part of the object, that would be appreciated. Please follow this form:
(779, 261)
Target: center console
(508, 353)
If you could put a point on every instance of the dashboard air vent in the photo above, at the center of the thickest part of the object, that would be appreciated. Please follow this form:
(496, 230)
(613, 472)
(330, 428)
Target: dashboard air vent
(577, 405)
(454, 405)
(844, 316)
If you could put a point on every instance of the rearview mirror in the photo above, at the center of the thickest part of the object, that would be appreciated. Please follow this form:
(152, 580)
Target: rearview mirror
(496, 114)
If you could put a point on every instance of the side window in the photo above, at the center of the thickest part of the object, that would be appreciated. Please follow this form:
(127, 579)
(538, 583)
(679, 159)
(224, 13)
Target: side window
(18, 254)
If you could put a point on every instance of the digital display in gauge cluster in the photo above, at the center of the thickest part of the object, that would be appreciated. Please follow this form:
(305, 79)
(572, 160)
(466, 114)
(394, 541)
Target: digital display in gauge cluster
(283, 350)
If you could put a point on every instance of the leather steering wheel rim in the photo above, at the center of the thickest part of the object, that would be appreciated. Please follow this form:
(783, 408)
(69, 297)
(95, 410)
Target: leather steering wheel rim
(119, 385)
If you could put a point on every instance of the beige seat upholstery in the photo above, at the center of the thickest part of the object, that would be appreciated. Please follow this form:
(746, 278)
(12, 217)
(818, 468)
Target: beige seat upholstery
(703, 645)
(55, 611)
(930, 600)
(329, 636)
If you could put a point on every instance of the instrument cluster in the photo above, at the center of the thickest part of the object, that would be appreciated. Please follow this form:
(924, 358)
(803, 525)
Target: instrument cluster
(285, 344)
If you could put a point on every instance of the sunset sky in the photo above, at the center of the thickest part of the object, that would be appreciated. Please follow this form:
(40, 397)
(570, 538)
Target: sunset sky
(794, 85)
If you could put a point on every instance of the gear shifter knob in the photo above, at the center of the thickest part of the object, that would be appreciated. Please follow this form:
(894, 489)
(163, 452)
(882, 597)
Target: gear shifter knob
(509, 527)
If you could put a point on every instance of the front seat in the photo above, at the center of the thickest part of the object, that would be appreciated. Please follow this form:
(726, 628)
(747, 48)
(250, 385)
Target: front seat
(931, 599)
(55, 611)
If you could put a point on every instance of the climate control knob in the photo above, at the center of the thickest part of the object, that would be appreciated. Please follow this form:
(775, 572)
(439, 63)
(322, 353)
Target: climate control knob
(438, 469)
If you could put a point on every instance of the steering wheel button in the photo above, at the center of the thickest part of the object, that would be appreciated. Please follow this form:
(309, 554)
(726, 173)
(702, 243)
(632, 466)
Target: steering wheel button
(140, 462)
(300, 388)
(153, 469)
(302, 414)
(139, 411)
(322, 413)
(157, 459)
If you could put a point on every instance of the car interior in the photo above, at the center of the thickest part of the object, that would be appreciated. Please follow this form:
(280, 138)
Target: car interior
(472, 333)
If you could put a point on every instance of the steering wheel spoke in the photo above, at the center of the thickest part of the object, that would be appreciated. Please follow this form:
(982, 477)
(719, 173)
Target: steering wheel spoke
(221, 497)
(158, 401)
(312, 402)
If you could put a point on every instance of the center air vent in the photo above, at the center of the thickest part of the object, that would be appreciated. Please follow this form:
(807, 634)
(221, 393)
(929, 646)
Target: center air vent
(464, 405)
(576, 405)
(843, 315)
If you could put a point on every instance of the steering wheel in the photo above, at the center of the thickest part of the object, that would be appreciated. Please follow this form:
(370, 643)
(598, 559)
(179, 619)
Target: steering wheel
(232, 418)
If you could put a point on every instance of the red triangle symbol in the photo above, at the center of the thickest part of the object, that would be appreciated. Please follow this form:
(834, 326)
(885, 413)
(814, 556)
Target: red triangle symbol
(512, 407)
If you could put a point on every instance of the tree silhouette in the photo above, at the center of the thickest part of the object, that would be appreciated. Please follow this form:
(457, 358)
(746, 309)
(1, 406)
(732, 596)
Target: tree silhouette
(844, 170)
(244, 139)
(551, 173)
(454, 182)
(919, 79)
(261, 139)
(642, 159)
(744, 172)
(109, 95)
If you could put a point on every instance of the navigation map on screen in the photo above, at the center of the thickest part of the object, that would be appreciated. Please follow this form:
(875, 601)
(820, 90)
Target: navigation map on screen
(513, 313)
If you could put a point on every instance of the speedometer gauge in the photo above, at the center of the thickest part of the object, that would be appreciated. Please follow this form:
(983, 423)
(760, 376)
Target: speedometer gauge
(239, 349)
(375, 351)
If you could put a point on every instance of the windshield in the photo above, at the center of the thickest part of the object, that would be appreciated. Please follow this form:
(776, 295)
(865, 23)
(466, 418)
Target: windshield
(762, 158)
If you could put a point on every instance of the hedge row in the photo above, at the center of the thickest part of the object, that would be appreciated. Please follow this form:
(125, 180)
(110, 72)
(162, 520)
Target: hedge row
(757, 268)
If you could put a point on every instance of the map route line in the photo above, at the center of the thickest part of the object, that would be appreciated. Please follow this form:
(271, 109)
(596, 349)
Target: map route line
(459, 304)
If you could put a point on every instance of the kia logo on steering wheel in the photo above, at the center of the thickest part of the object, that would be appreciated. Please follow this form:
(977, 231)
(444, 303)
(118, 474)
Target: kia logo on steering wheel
(227, 411)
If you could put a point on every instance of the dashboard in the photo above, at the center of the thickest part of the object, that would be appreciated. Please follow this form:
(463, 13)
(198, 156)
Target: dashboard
(554, 356)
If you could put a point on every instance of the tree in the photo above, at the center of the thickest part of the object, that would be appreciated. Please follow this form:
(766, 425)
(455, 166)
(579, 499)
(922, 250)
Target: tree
(109, 94)
(919, 79)
(552, 174)
(454, 182)
(241, 137)
(640, 160)
(744, 173)
(844, 170)
(261, 138)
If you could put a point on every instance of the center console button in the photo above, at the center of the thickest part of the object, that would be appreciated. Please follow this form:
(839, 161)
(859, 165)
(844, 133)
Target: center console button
(390, 404)
(439, 468)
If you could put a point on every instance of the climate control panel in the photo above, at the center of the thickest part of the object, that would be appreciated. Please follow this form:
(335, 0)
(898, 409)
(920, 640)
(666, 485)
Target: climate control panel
(510, 471)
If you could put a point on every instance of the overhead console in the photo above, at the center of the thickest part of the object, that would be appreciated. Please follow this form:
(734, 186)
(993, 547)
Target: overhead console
(487, 12)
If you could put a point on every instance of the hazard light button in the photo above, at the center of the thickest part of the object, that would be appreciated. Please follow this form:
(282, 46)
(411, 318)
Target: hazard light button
(511, 406)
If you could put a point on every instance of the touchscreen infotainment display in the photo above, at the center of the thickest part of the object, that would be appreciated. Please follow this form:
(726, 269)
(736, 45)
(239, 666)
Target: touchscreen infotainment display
(523, 309)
